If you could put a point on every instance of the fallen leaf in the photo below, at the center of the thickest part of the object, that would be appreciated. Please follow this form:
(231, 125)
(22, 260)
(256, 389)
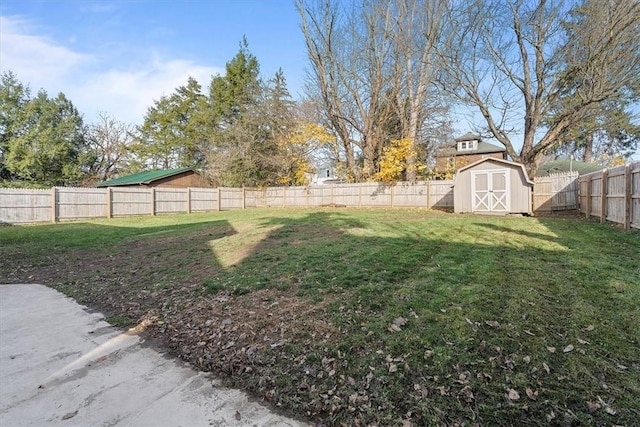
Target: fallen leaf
(513, 395)
(238, 416)
(593, 406)
(400, 321)
(393, 368)
(526, 359)
(551, 349)
(407, 423)
(568, 348)
(528, 332)
(492, 323)
(583, 341)
(394, 328)
(609, 410)
(546, 367)
(589, 328)
(70, 415)
(533, 395)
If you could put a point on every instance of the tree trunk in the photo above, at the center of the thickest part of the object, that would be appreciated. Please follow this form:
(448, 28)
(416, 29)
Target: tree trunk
(588, 148)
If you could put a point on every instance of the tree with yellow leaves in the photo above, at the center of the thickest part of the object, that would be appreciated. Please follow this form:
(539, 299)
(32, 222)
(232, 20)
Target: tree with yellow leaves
(394, 164)
(297, 147)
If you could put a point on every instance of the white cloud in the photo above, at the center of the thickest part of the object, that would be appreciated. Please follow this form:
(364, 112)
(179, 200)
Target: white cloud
(126, 94)
(123, 87)
(35, 59)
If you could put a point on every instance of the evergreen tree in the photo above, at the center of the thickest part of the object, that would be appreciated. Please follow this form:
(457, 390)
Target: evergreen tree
(41, 139)
(172, 132)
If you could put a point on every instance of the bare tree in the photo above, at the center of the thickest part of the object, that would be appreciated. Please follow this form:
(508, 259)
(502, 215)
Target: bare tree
(350, 53)
(108, 148)
(418, 34)
(373, 64)
(513, 61)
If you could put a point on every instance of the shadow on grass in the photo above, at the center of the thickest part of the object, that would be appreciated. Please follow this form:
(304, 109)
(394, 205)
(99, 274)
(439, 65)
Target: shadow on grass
(483, 302)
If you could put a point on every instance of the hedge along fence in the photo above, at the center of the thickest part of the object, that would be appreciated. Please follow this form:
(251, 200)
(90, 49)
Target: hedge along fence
(66, 204)
(612, 195)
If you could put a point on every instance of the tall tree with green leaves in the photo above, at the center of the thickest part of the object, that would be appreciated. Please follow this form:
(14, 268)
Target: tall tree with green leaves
(13, 97)
(236, 137)
(43, 139)
(172, 133)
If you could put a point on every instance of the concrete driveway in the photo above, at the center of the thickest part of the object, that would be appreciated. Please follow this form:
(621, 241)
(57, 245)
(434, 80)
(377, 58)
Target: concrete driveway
(62, 365)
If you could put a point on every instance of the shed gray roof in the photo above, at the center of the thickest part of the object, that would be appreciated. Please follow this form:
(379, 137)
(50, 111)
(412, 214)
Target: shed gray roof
(502, 161)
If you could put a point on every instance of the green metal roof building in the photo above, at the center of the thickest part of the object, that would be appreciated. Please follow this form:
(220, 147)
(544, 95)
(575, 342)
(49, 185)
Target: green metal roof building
(177, 178)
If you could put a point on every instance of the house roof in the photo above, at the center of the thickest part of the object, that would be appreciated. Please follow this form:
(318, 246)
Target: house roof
(468, 137)
(143, 177)
(505, 162)
(483, 148)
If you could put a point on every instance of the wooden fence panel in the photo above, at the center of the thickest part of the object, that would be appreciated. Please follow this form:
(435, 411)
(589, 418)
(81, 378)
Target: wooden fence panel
(321, 195)
(131, 201)
(171, 200)
(440, 194)
(19, 205)
(295, 197)
(347, 194)
(408, 194)
(556, 192)
(615, 198)
(204, 199)
(80, 203)
(612, 195)
(634, 195)
(376, 195)
(231, 198)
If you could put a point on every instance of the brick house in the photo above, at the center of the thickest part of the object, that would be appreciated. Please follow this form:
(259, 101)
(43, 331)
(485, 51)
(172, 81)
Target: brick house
(465, 150)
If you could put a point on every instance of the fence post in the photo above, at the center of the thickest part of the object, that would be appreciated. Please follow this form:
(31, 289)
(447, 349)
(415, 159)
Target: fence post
(359, 195)
(218, 200)
(54, 204)
(628, 184)
(332, 187)
(244, 203)
(284, 197)
(429, 194)
(603, 199)
(109, 200)
(153, 201)
(392, 193)
(306, 196)
(188, 200)
(588, 197)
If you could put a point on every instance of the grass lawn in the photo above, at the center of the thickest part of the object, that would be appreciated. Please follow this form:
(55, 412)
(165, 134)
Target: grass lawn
(362, 317)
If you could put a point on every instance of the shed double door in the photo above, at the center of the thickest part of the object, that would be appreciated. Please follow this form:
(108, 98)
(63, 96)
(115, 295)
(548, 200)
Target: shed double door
(490, 191)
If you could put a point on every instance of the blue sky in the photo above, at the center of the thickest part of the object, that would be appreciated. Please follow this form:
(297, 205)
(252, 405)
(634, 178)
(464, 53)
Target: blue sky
(118, 56)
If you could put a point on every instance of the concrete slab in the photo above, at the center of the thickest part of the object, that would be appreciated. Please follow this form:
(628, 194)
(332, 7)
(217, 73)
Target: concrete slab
(61, 365)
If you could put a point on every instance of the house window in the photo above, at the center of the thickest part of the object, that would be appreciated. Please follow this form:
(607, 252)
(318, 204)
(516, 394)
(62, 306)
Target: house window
(467, 145)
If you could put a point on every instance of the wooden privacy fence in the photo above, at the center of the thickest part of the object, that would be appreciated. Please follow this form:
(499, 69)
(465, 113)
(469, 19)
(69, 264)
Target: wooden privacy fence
(620, 203)
(612, 195)
(556, 192)
(64, 204)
